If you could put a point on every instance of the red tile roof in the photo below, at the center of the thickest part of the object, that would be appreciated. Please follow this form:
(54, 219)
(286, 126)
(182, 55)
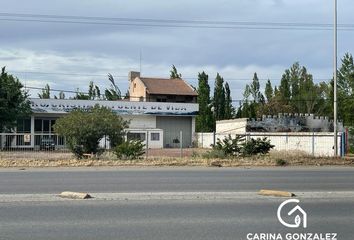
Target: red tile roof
(168, 86)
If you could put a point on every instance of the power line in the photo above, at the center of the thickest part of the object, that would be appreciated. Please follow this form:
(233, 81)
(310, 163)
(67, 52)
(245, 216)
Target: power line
(55, 90)
(124, 76)
(145, 22)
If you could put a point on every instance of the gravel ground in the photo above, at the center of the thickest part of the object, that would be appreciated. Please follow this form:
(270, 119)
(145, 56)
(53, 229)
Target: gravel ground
(162, 157)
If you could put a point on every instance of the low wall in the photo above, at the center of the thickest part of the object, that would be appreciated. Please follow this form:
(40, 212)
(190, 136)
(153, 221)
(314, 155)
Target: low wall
(316, 144)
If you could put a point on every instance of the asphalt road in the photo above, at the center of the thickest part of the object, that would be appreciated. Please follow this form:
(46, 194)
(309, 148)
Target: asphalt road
(171, 218)
(176, 180)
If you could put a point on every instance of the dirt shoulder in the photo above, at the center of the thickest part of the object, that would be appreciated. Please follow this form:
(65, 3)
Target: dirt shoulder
(260, 161)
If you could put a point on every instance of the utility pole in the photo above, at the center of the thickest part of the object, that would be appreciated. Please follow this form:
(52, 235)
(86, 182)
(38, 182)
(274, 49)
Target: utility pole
(335, 82)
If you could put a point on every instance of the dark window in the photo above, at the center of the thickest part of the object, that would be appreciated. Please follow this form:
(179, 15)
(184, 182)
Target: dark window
(45, 125)
(136, 136)
(24, 125)
(38, 125)
(155, 136)
(52, 122)
(27, 125)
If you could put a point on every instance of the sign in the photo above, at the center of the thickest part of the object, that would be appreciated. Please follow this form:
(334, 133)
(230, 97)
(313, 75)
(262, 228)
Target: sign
(119, 107)
(27, 138)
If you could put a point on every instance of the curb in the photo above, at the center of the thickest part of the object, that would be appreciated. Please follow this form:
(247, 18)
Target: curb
(75, 195)
(276, 193)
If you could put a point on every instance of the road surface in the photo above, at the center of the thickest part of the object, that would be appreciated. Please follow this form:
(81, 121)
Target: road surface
(171, 203)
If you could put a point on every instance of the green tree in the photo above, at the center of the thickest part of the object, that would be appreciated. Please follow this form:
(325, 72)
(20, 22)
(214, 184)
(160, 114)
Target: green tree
(268, 92)
(229, 109)
(346, 90)
(113, 93)
(250, 107)
(174, 73)
(93, 93)
(61, 95)
(204, 121)
(284, 88)
(85, 128)
(14, 103)
(45, 92)
(254, 89)
(219, 98)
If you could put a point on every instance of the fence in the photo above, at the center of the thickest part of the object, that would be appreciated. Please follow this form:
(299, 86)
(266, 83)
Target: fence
(33, 147)
(312, 143)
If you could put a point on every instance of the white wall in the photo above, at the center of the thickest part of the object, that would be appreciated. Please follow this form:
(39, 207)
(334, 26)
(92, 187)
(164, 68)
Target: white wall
(317, 144)
(151, 144)
(141, 121)
(233, 126)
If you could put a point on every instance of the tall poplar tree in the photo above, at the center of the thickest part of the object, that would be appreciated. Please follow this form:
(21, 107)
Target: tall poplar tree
(174, 73)
(268, 92)
(204, 121)
(45, 92)
(346, 90)
(228, 102)
(219, 98)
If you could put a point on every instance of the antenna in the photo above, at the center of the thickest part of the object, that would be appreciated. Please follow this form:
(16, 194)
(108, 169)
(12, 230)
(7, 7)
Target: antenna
(140, 58)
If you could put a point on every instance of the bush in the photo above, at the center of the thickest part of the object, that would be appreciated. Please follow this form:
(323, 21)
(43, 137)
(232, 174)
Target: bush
(256, 146)
(131, 149)
(195, 154)
(281, 162)
(78, 151)
(85, 128)
(214, 154)
(230, 146)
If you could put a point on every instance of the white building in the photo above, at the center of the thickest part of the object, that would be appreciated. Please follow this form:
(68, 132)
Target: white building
(165, 110)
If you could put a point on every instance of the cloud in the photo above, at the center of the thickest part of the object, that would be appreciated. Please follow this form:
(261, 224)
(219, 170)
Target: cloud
(75, 71)
(95, 50)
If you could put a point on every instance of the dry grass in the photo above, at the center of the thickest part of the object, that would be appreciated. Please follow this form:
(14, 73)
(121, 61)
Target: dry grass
(193, 158)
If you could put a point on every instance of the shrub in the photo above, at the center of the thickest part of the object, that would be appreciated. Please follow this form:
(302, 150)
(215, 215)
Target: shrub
(214, 154)
(256, 146)
(86, 127)
(78, 151)
(131, 149)
(195, 154)
(281, 162)
(230, 146)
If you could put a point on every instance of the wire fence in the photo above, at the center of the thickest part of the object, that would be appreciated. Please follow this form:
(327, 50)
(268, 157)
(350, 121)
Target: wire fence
(51, 147)
(311, 143)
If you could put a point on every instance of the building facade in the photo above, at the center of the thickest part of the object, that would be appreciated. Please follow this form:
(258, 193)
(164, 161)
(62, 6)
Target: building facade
(166, 120)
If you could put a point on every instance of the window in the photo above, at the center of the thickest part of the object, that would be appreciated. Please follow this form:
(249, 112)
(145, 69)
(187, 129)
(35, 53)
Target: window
(155, 136)
(136, 136)
(46, 126)
(52, 122)
(38, 125)
(24, 125)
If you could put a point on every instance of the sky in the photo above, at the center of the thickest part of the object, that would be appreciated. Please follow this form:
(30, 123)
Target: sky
(68, 55)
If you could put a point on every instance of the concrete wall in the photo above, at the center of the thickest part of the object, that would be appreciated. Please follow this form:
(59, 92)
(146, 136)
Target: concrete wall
(137, 90)
(141, 121)
(316, 144)
(149, 143)
(233, 126)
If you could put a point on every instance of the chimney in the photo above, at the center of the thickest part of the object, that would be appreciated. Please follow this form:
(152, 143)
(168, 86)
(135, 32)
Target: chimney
(132, 75)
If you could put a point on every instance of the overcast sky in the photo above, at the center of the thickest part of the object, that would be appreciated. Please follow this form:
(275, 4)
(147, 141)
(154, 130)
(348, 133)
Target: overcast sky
(69, 55)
